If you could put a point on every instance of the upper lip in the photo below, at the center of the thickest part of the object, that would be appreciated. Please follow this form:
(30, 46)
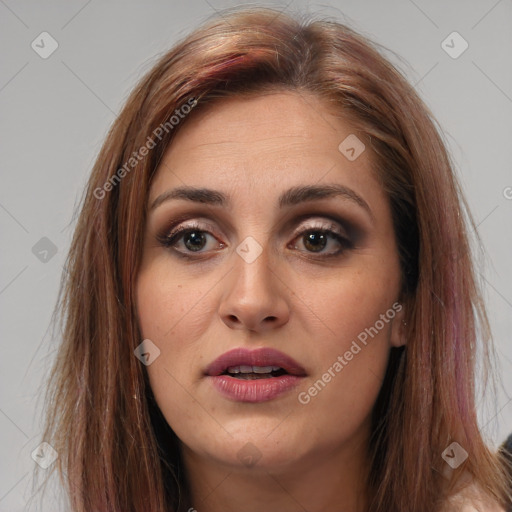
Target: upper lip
(256, 357)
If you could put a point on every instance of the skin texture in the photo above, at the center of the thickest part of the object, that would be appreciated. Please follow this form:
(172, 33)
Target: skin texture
(309, 306)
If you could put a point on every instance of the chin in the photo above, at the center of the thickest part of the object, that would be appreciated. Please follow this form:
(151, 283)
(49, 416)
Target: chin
(261, 446)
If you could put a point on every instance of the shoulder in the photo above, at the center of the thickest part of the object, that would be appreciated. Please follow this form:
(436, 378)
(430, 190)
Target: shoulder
(471, 499)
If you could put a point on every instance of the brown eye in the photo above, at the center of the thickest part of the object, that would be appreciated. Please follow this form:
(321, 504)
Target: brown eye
(315, 241)
(323, 239)
(189, 239)
(194, 240)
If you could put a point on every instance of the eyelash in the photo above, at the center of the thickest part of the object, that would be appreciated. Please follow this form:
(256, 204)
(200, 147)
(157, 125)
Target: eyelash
(169, 240)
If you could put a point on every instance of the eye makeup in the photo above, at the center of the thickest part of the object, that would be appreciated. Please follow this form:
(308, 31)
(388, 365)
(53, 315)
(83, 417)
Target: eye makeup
(314, 233)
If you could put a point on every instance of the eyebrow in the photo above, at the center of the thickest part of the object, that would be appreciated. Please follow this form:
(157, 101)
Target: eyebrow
(290, 197)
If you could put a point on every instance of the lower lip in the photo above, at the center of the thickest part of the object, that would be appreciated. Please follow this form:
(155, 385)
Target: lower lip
(257, 390)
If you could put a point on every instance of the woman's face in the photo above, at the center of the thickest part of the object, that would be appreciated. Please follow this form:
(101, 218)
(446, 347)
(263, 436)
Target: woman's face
(272, 258)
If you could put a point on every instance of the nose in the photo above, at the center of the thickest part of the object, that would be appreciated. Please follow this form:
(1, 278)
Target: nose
(253, 297)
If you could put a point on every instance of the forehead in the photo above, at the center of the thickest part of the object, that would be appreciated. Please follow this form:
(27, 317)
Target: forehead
(262, 144)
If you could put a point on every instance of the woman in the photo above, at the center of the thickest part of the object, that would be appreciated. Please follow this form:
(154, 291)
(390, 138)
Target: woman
(271, 303)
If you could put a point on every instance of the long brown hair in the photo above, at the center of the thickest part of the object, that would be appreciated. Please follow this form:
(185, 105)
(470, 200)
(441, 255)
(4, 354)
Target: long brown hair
(116, 452)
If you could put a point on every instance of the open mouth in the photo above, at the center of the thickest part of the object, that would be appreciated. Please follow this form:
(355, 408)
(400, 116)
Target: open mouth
(245, 372)
(254, 376)
(261, 363)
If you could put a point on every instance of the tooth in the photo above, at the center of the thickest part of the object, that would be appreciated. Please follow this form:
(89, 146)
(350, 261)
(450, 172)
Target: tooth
(262, 369)
(252, 369)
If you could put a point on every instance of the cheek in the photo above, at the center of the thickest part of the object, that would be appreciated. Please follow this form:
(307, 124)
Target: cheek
(354, 300)
(357, 313)
(174, 312)
(170, 310)
(341, 401)
(170, 313)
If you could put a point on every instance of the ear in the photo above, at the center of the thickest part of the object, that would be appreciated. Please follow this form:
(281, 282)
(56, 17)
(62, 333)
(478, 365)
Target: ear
(398, 326)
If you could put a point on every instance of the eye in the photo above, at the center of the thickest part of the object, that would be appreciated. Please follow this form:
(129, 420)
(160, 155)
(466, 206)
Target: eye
(191, 238)
(317, 238)
(324, 240)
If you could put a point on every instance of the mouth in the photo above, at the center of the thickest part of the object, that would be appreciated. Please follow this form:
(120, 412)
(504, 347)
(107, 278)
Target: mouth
(254, 376)
(254, 372)
(262, 363)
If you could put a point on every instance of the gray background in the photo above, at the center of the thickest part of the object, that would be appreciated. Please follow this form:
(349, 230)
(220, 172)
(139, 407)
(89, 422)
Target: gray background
(55, 113)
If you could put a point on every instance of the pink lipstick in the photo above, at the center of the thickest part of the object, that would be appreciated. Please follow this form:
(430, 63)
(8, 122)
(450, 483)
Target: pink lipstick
(258, 375)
